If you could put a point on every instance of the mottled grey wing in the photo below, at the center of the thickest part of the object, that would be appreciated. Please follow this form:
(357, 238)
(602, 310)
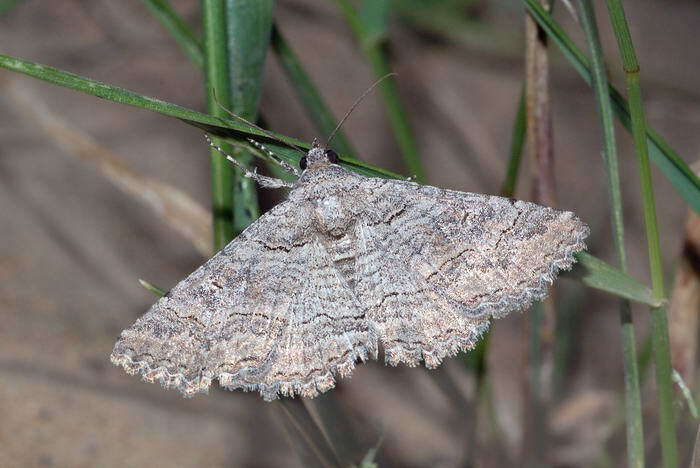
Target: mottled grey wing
(451, 260)
(268, 313)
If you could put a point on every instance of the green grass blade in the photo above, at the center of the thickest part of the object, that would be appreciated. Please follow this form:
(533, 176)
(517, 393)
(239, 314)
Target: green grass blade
(7, 5)
(306, 90)
(659, 320)
(218, 93)
(373, 47)
(152, 288)
(249, 26)
(178, 29)
(218, 126)
(595, 273)
(673, 167)
(517, 144)
(633, 405)
(308, 95)
(374, 15)
(249, 23)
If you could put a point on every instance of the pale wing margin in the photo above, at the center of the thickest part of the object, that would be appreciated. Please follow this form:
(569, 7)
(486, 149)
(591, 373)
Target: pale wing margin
(491, 255)
(255, 316)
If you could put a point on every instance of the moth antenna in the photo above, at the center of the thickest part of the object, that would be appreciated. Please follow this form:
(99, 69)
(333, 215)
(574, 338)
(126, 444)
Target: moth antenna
(254, 125)
(356, 103)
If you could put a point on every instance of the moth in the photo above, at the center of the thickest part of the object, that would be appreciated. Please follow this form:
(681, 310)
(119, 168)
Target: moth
(344, 265)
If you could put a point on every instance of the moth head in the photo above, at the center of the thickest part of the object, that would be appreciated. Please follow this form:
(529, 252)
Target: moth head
(318, 156)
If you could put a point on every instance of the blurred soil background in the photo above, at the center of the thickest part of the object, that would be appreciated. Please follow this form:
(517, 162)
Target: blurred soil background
(72, 245)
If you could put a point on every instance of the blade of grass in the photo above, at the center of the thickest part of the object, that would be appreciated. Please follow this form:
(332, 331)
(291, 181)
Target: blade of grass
(595, 273)
(370, 31)
(659, 323)
(7, 5)
(249, 23)
(308, 94)
(517, 144)
(178, 29)
(218, 126)
(218, 92)
(307, 91)
(152, 288)
(671, 165)
(633, 404)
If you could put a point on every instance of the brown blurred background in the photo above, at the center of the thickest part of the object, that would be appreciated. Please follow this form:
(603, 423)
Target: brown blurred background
(72, 244)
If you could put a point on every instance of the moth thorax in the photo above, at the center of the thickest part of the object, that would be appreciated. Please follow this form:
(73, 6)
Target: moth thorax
(332, 216)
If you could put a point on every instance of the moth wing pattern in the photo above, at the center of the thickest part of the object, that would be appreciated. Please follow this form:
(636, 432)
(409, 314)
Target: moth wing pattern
(269, 313)
(345, 263)
(472, 256)
(414, 320)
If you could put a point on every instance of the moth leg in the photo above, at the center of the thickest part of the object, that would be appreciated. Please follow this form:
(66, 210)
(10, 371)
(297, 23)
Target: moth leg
(281, 162)
(266, 182)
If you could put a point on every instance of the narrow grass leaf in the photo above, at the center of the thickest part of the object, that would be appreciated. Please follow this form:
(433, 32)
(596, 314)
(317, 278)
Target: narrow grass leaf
(150, 287)
(633, 405)
(597, 274)
(218, 92)
(249, 23)
(659, 319)
(517, 144)
(374, 15)
(217, 126)
(164, 12)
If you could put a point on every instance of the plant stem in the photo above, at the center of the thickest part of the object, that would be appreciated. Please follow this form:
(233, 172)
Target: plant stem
(306, 90)
(633, 405)
(538, 140)
(516, 149)
(248, 23)
(659, 324)
(218, 91)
